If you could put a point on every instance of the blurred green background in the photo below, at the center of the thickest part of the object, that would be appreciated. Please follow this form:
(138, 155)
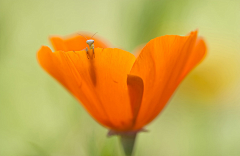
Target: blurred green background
(38, 117)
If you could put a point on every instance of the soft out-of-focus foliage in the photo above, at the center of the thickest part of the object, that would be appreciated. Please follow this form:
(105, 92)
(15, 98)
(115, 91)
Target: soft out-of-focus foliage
(39, 117)
(144, 20)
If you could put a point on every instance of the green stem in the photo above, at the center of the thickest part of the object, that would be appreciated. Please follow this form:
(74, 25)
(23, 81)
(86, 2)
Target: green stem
(128, 141)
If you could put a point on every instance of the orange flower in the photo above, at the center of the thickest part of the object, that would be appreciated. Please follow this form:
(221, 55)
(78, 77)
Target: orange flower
(122, 92)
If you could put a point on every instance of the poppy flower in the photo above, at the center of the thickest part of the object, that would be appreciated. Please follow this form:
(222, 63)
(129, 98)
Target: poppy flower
(120, 91)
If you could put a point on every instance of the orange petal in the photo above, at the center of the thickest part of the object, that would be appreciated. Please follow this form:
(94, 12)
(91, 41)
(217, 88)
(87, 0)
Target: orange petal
(135, 87)
(197, 54)
(76, 42)
(58, 44)
(161, 64)
(100, 83)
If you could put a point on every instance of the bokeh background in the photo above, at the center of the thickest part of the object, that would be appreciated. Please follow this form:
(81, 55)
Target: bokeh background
(38, 117)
